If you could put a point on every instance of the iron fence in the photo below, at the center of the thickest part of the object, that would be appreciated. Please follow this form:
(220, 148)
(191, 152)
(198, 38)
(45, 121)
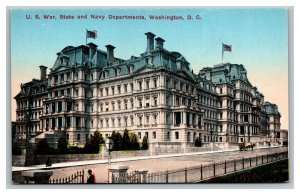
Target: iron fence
(209, 171)
(75, 178)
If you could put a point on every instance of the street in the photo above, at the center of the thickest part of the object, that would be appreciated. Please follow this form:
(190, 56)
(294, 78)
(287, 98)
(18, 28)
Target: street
(163, 164)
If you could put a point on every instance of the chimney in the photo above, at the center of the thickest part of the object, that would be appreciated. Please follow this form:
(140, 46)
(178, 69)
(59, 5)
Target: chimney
(159, 43)
(110, 54)
(150, 41)
(92, 50)
(43, 70)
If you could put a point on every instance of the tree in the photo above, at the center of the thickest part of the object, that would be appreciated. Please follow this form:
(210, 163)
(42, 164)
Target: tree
(198, 142)
(125, 140)
(92, 145)
(62, 145)
(134, 144)
(145, 143)
(117, 141)
(16, 149)
(42, 147)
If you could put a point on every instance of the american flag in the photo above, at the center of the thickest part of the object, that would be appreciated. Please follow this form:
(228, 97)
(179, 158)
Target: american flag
(227, 47)
(91, 34)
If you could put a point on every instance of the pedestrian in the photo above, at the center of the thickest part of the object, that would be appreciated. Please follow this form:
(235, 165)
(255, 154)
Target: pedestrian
(91, 177)
(48, 163)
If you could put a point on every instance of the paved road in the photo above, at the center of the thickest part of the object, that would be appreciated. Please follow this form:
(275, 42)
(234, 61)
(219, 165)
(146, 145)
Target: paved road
(163, 164)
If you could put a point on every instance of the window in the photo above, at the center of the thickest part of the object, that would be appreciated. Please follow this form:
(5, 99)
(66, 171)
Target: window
(131, 86)
(177, 100)
(119, 105)
(125, 104)
(147, 84)
(131, 120)
(176, 135)
(106, 91)
(78, 137)
(113, 122)
(147, 120)
(147, 102)
(140, 103)
(113, 106)
(182, 101)
(140, 83)
(119, 89)
(140, 135)
(155, 119)
(131, 102)
(107, 122)
(154, 135)
(113, 90)
(154, 83)
(101, 123)
(125, 120)
(68, 76)
(140, 120)
(125, 88)
(119, 122)
(155, 101)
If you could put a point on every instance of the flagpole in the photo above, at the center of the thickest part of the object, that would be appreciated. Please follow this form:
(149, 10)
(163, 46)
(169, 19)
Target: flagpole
(222, 52)
(86, 36)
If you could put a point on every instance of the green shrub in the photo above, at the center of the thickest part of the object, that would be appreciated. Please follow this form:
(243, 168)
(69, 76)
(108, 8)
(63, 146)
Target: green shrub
(62, 145)
(145, 145)
(75, 150)
(117, 141)
(198, 142)
(16, 149)
(134, 144)
(92, 145)
(43, 148)
(126, 140)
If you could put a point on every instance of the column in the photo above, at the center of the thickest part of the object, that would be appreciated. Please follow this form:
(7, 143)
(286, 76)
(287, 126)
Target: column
(184, 118)
(56, 123)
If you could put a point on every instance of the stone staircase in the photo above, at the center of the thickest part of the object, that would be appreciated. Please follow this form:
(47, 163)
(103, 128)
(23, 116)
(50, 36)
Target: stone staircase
(51, 136)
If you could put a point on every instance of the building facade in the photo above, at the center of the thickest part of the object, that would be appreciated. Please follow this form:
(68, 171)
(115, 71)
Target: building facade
(156, 95)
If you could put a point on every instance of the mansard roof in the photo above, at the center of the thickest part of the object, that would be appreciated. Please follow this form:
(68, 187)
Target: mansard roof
(271, 109)
(225, 73)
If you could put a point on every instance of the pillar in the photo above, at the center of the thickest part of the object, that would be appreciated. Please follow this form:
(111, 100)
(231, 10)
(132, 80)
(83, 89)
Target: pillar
(142, 175)
(37, 176)
(118, 174)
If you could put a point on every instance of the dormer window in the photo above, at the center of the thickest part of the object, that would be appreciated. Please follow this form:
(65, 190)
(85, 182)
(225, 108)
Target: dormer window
(119, 71)
(130, 69)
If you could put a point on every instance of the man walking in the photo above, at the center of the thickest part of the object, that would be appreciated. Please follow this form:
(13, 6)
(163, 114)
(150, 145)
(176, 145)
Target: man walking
(91, 177)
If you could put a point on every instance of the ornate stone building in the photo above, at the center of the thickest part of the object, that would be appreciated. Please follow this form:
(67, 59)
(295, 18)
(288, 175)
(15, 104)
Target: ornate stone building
(155, 94)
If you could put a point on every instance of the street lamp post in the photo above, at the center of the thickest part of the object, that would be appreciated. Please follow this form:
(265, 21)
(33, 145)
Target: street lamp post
(211, 132)
(108, 144)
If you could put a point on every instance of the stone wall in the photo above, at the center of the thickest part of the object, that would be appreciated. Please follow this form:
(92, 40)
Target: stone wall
(159, 148)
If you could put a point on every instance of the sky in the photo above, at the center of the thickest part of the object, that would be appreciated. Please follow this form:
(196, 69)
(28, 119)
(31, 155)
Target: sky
(259, 38)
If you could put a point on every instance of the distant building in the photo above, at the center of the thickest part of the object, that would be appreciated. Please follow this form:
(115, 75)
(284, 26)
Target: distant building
(273, 121)
(156, 95)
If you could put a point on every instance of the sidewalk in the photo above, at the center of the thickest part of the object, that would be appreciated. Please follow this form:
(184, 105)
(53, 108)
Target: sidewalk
(97, 162)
